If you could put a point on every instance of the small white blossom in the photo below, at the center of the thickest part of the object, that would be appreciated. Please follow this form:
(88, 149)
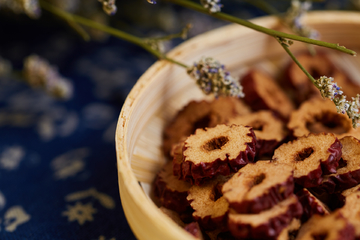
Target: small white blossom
(39, 73)
(294, 16)
(211, 77)
(109, 6)
(212, 5)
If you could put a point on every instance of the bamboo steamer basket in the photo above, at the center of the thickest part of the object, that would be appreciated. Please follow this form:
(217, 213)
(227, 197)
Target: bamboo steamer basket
(165, 88)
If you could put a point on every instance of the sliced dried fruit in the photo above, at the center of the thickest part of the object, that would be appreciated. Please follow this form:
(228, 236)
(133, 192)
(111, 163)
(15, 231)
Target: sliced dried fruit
(263, 93)
(268, 129)
(210, 207)
(200, 115)
(348, 173)
(311, 205)
(351, 211)
(259, 186)
(217, 151)
(329, 227)
(171, 191)
(267, 224)
(311, 156)
(320, 115)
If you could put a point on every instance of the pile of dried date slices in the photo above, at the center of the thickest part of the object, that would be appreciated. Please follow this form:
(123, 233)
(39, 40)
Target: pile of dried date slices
(279, 164)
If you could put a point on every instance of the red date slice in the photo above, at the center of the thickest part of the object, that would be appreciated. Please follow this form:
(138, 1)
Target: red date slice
(268, 129)
(347, 175)
(310, 156)
(263, 93)
(329, 227)
(200, 115)
(259, 186)
(320, 115)
(221, 150)
(171, 191)
(267, 224)
(351, 211)
(210, 207)
(311, 205)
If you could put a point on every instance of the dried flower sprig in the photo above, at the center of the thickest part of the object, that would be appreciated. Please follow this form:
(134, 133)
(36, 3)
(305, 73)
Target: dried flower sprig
(39, 73)
(212, 77)
(212, 5)
(330, 89)
(157, 43)
(293, 18)
(270, 32)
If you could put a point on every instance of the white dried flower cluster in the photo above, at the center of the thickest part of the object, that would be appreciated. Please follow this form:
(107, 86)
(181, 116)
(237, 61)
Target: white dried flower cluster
(211, 77)
(29, 7)
(329, 89)
(212, 5)
(293, 18)
(5, 67)
(39, 73)
(109, 6)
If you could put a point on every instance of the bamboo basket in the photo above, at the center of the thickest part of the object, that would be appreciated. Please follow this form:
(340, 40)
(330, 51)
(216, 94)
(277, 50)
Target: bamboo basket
(165, 88)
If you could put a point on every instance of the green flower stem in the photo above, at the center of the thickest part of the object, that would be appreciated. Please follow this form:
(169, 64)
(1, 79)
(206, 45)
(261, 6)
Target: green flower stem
(286, 48)
(115, 32)
(271, 32)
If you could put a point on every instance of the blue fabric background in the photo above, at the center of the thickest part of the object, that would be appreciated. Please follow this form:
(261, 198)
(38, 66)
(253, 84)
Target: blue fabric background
(57, 158)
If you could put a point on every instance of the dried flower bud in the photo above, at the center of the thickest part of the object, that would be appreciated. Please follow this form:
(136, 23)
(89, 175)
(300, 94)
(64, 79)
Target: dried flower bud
(109, 6)
(29, 7)
(329, 89)
(39, 73)
(5, 67)
(211, 77)
(212, 5)
(293, 18)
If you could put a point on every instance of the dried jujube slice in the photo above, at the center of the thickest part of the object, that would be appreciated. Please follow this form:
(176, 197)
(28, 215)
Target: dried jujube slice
(263, 93)
(223, 108)
(311, 205)
(318, 115)
(311, 156)
(194, 115)
(267, 224)
(290, 231)
(201, 114)
(259, 186)
(217, 151)
(348, 173)
(268, 129)
(351, 211)
(210, 207)
(329, 227)
(170, 191)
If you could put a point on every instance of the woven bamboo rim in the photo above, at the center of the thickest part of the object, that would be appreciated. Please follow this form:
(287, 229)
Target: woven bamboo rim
(164, 84)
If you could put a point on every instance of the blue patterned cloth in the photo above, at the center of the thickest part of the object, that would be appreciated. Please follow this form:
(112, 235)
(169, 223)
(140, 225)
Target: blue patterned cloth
(58, 176)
